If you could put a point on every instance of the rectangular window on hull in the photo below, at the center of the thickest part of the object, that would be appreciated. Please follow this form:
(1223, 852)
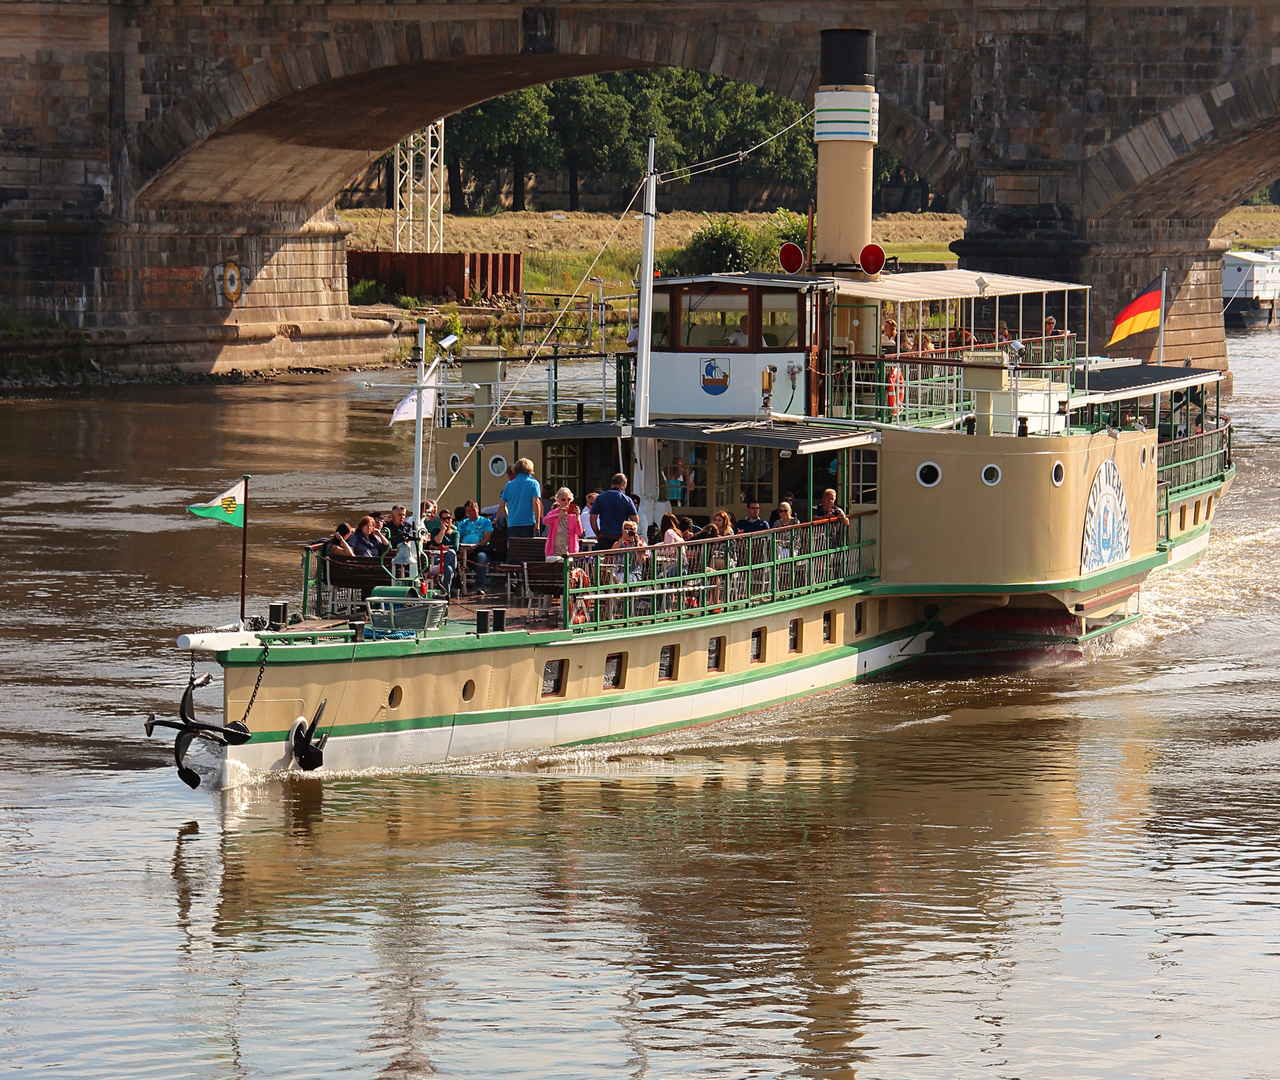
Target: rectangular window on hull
(859, 618)
(757, 645)
(615, 671)
(883, 616)
(715, 654)
(668, 662)
(828, 630)
(553, 677)
(795, 630)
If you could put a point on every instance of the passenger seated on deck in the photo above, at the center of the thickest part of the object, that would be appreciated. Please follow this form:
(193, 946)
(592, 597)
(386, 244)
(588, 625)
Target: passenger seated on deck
(442, 544)
(337, 544)
(367, 540)
(398, 530)
(476, 530)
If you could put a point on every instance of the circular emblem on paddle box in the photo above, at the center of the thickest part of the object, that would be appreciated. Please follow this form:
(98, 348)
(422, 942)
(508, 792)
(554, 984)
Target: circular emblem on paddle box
(1106, 522)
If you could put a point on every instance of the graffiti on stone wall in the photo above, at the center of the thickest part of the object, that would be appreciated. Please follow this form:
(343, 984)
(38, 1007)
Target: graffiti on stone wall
(228, 283)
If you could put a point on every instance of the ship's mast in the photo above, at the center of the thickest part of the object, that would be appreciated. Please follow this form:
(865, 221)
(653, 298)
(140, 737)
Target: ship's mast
(645, 478)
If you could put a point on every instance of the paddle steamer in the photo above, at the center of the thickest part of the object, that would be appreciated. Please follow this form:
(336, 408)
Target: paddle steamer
(1004, 490)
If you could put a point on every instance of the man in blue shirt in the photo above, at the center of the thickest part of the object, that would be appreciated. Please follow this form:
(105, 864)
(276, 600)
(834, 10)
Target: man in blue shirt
(610, 511)
(753, 522)
(521, 501)
(474, 532)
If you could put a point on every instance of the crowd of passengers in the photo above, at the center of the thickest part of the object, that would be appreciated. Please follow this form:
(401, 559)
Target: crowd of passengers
(609, 520)
(924, 341)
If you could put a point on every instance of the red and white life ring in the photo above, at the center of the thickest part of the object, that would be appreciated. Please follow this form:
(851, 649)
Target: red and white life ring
(578, 579)
(897, 397)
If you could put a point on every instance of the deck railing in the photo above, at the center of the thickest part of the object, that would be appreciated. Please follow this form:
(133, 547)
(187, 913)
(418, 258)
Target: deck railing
(1193, 461)
(626, 587)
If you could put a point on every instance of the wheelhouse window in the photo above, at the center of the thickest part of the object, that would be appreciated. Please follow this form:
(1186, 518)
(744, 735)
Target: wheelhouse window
(661, 334)
(717, 318)
(781, 322)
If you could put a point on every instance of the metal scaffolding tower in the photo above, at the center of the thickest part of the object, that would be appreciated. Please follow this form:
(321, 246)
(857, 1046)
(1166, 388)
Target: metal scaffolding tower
(419, 190)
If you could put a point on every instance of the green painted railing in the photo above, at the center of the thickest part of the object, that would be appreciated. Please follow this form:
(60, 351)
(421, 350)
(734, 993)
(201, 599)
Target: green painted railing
(1194, 461)
(627, 587)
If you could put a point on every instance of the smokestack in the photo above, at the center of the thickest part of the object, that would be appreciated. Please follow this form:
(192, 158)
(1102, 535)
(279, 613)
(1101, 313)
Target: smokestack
(846, 127)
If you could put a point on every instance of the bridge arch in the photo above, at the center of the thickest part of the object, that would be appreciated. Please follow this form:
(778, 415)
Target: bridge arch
(1204, 156)
(291, 130)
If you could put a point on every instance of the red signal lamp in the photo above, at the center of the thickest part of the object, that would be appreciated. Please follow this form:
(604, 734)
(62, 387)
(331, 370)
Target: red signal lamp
(791, 258)
(872, 259)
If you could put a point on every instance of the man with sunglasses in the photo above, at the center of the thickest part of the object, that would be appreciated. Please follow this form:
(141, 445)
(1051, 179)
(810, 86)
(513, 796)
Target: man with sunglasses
(442, 543)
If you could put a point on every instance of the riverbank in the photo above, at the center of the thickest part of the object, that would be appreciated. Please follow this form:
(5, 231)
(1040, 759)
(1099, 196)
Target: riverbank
(558, 246)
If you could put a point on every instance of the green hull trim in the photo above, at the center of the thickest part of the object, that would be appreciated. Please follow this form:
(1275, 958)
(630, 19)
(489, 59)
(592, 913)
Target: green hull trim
(562, 707)
(1185, 538)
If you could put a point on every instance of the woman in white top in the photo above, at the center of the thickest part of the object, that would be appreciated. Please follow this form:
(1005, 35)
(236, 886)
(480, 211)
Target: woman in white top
(588, 533)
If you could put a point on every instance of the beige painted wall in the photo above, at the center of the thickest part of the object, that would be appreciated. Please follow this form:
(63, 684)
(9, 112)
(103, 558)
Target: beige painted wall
(1024, 529)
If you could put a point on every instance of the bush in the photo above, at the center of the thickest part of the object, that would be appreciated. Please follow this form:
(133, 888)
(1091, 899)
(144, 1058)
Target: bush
(721, 245)
(725, 245)
(452, 325)
(786, 226)
(408, 302)
(366, 292)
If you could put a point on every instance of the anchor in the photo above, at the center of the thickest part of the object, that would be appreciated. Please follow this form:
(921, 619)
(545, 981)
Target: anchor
(308, 751)
(189, 729)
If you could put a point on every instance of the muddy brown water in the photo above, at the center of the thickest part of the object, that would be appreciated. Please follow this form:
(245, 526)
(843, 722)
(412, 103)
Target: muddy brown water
(1070, 870)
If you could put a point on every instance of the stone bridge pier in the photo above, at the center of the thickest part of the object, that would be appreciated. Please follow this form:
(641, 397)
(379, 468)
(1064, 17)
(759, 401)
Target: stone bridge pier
(166, 171)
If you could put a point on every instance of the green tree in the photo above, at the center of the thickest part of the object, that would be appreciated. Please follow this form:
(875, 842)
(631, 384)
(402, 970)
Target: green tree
(508, 131)
(591, 120)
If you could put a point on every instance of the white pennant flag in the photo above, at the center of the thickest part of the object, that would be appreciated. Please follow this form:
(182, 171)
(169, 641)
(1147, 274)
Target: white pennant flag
(408, 408)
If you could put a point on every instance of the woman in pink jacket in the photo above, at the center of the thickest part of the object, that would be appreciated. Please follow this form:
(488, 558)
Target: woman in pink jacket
(564, 526)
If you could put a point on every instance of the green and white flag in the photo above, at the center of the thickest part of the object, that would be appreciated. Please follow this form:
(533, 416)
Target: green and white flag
(227, 507)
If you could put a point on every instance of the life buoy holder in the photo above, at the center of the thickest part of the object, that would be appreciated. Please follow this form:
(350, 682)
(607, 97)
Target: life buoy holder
(897, 397)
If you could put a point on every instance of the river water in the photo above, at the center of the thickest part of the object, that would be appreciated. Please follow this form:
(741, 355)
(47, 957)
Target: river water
(1072, 870)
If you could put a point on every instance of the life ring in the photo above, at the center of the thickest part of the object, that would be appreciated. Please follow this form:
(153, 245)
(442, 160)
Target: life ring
(896, 397)
(578, 579)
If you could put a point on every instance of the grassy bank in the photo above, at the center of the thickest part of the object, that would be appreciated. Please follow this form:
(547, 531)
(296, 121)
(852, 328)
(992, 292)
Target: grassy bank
(558, 247)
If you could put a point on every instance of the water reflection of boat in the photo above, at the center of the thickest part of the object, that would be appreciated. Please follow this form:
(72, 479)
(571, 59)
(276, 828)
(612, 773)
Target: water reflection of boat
(996, 488)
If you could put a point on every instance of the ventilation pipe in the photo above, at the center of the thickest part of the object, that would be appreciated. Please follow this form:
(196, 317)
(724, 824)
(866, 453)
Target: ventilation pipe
(846, 128)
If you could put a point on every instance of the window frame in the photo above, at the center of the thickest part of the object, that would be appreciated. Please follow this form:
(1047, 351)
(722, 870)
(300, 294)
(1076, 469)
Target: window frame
(678, 305)
(801, 342)
(562, 681)
(759, 644)
(828, 626)
(621, 684)
(720, 652)
(795, 636)
(672, 651)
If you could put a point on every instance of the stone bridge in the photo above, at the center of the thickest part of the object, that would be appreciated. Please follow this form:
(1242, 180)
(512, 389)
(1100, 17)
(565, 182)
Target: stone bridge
(150, 150)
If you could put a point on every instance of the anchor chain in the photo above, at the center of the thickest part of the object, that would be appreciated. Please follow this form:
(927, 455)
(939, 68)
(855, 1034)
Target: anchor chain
(266, 648)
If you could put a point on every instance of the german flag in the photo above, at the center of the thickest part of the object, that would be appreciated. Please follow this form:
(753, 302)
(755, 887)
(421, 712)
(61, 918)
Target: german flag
(1141, 313)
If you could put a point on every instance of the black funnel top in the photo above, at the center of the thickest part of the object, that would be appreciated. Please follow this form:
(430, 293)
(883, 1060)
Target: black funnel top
(847, 58)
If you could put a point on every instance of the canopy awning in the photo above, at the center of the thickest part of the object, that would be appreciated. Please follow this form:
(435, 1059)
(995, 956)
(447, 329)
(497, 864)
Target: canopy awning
(949, 285)
(1138, 381)
(798, 438)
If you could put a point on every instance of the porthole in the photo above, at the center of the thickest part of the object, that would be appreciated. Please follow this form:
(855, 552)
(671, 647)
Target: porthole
(1059, 474)
(455, 463)
(991, 475)
(929, 474)
(497, 465)
(468, 690)
(1144, 457)
(395, 697)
